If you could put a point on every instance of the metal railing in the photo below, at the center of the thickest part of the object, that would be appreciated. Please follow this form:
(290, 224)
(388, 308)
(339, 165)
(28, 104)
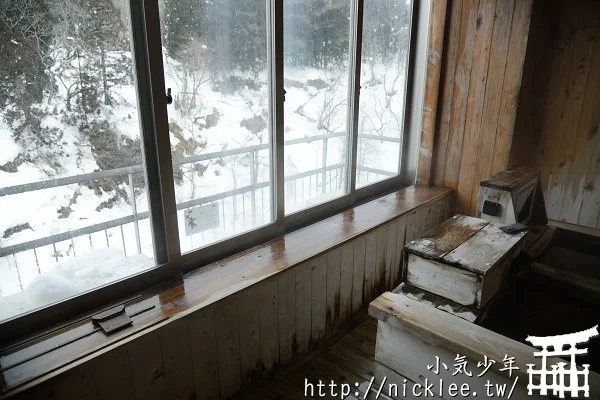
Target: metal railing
(332, 175)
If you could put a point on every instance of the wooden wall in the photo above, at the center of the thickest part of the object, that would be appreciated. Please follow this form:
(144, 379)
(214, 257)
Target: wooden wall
(214, 352)
(484, 51)
(559, 109)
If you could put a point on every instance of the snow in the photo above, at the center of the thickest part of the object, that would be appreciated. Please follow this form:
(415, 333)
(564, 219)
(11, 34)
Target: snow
(31, 279)
(75, 276)
(10, 150)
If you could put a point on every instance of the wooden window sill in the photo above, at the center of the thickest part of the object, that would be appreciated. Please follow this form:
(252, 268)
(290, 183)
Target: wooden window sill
(204, 287)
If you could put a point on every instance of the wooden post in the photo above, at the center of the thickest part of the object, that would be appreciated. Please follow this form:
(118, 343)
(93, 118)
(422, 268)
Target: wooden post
(435, 45)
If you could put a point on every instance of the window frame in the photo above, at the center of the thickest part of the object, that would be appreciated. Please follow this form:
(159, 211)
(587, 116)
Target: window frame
(171, 264)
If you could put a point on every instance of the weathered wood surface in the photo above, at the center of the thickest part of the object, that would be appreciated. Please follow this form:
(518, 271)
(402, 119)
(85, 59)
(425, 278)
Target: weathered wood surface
(438, 302)
(476, 119)
(511, 179)
(484, 250)
(237, 320)
(451, 283)
(435, 47)
(557, 113)
(445, 237)
(442, 331)
(465, 260)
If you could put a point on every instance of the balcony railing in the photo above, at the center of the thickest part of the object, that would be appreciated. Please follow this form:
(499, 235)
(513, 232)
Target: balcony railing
(326, 178)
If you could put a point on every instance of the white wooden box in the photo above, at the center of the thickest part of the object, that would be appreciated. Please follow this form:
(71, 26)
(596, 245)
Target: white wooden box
(514, 190)
(464, 259)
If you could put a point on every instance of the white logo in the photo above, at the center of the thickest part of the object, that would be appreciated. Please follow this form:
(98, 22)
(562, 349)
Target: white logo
(558, 372)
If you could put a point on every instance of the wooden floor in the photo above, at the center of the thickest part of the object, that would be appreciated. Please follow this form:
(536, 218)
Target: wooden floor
(350, 360)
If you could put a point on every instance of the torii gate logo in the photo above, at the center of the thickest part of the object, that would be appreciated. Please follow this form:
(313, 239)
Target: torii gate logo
(558, 373)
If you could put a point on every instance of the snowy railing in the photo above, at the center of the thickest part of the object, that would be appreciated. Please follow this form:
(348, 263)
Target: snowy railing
(320, 175)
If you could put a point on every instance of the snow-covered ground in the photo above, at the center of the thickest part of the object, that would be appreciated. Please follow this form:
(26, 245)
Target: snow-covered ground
(203, 120)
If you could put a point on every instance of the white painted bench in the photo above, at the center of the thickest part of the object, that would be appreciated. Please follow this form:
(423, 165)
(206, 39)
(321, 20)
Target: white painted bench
(464, 260)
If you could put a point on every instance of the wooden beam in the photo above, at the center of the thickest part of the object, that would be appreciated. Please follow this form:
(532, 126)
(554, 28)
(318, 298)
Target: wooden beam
(436, 332)
(435, 46)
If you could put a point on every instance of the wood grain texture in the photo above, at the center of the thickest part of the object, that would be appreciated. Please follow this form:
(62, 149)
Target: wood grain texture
(557, 114)
(228, 346)
(237, 319)
(493, 96)
(476, 96)
(358, 279)
(447, 331)
(269, 323)
(303, 312)
(481, 78)
(435, 47)
(446, 237)
(318, 298)
(177, 360)
(333, 260)
(249, 327)
(346, 281)
(286, 284)
(399, 255)
(112, 374)
(148, 374)
(203, 348)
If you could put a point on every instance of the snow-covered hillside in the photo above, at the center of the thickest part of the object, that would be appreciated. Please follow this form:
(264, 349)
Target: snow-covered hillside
(86, 120)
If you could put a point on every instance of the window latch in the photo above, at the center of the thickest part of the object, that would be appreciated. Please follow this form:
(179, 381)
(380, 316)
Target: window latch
(112, 319)
(169, 97)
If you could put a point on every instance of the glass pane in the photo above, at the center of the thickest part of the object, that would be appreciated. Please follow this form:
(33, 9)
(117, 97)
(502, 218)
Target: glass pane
(72, 182)
(384, 67)
(316, 76)
(215, 58)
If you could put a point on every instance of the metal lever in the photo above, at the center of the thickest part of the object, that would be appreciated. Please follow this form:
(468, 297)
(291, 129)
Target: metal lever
(169, 97)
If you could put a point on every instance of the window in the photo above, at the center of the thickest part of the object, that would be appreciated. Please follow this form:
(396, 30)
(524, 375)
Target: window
(282, 113)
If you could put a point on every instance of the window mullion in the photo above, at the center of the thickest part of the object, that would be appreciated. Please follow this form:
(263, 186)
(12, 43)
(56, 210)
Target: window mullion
(275, 55)
(154, 123)
(356, 24)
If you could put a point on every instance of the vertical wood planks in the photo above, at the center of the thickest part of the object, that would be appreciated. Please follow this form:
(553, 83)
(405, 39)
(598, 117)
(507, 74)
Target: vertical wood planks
(269, 322)
(303, 307)
(228, 346)
(177, 360)
(319, 298)
(476, 95)
(462, 81)
(411, 222)
(380, 266)
(346, 280)
(370, 266)
(391, 270)
(286, 284)
(512, 83)
(399, 256)
(249, 327)
(333, 259)
(582, 48)
(493, 95)
(79, 384)
(435, 47)
(447, 97)
(147, 374)
(112, 374)
(358, 278)
(481, 82)
(203, 348)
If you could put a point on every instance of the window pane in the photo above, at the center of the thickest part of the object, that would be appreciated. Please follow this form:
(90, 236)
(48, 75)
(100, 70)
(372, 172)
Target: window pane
(385, 49)
(215, 57)
(72, 182)
(316, 76)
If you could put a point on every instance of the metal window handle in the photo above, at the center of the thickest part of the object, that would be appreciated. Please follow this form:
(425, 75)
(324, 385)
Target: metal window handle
(169, 97)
